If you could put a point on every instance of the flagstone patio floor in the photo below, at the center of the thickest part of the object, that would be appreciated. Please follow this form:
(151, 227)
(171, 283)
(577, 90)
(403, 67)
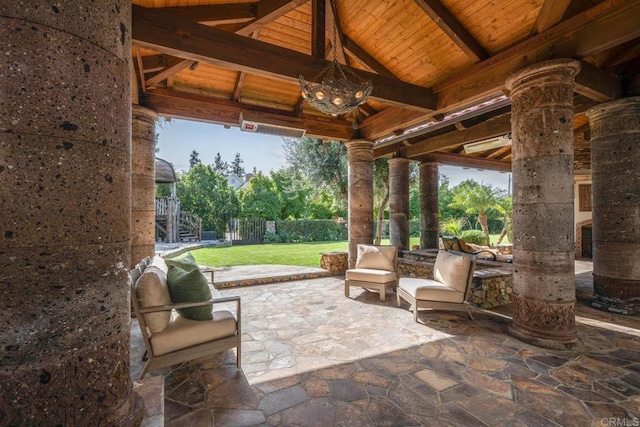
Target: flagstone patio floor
(312, 357)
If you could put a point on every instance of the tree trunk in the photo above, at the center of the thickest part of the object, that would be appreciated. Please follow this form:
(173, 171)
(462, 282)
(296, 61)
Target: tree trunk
(502, 234)
(383, 206)
(482, 219)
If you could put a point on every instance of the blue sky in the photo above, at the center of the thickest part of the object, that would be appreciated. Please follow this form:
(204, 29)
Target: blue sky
(178, 138)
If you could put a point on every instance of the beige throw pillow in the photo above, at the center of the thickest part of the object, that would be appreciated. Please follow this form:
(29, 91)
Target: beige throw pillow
(452, 270)
(152, 290)
(376, 257)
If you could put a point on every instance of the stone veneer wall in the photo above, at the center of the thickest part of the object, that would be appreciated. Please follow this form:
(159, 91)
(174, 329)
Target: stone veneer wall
(335, 262)
(491, 287)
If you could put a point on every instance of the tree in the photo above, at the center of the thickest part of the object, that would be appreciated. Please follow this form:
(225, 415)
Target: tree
(206, 194)
(220, 166)
(504, 205)
(293, 191)
(236, 166)
(477, 199)
(260, 199)
(194, 159)
(324, 164)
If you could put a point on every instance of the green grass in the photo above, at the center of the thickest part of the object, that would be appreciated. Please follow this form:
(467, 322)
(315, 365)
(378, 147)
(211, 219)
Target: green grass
(303, 254)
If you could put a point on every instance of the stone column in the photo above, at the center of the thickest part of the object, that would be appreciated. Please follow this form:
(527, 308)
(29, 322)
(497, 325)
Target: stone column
(543, 256)
(399, 202)
(143, 200)
(615, 168)
(360, 158)
(429, 187)
(65, 192)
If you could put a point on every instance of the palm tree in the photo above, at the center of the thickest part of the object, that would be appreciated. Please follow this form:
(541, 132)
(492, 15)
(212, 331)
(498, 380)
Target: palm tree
(505, 207)
(475, 198)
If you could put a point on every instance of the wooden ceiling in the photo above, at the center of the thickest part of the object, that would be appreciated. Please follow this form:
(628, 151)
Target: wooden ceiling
(438, 67)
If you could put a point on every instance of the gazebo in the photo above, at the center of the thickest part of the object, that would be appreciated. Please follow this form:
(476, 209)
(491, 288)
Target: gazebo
(546, 89)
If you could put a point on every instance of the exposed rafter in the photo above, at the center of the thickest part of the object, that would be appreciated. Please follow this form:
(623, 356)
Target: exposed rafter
(363, 56)
(453, 28)
(175, 36)
(468, 161)
(318, 25)
(550, 14)
(168, 72)
(596, 84)
(171, 103)
(237, 89)
(215, 13)
(268, 11)
(329, 25)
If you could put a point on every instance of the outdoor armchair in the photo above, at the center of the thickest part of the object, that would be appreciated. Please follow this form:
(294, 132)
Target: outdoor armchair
(376, 268)
(449, 288)
(171, 338)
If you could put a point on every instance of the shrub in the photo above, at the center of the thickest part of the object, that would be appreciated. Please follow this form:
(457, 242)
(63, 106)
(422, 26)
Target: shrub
(476, 237)
(307, 230)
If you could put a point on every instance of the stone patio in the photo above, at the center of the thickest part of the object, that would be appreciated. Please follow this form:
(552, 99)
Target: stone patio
(312, 357)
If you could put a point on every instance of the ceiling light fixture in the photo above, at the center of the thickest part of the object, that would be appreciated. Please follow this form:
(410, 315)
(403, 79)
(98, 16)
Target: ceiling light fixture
(339, 90)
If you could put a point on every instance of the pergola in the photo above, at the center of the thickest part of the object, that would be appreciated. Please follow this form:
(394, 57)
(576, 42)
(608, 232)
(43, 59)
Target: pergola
(82, 85)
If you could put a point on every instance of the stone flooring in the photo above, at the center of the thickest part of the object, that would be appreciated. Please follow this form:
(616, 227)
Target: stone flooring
(312, 357)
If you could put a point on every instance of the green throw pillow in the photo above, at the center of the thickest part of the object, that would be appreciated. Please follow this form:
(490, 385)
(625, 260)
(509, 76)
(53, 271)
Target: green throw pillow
(189, 286)
(187, 262)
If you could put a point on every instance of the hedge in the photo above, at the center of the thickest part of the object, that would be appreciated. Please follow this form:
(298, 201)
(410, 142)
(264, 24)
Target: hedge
(307, 230)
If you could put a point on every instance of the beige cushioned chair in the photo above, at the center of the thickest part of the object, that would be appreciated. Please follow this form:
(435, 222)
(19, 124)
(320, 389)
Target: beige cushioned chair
(170, 338)
(452, 278)
(375, 268)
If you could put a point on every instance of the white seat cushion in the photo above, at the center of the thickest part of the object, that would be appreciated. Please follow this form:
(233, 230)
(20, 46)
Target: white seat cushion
(452, 270)
(182, 332)
(370, 275)
(430, 290)
(158, 261)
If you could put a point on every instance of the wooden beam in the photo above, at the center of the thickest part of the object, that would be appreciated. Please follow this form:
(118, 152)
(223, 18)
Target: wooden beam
(331, 21)
(471, 162)
(607, 24)
(596, 84)
(388, 120)
(168, 72)
(363, 56)
(171, 103)
(140, 70)
(215, 13)
(550, 14)
(176, 36)
(453, 28)
(237, 89)
(269, 11)
(318, 25)
(489, 129)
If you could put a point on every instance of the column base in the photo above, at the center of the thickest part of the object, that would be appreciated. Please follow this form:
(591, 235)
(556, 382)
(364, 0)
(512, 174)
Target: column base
(544, 324)
(620, 296)
(612, 305)
(555, 343)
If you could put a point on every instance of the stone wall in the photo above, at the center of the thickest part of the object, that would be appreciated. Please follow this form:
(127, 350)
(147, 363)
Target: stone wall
(334, 262)
(491, 287)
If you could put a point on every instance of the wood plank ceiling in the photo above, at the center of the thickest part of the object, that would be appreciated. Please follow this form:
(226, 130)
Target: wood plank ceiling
(438, 67)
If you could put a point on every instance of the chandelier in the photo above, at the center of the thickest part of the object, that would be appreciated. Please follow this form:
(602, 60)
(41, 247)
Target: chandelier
(339, 90)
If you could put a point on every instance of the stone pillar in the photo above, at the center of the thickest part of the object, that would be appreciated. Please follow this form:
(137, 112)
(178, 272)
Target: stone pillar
(615, 168)
(429, 187)
(543, 257)
(399, 202)
(143, 180)
(65, 192)
(360, 158)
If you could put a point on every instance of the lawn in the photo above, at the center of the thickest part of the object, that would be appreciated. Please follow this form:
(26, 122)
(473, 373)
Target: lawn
(303, 254)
